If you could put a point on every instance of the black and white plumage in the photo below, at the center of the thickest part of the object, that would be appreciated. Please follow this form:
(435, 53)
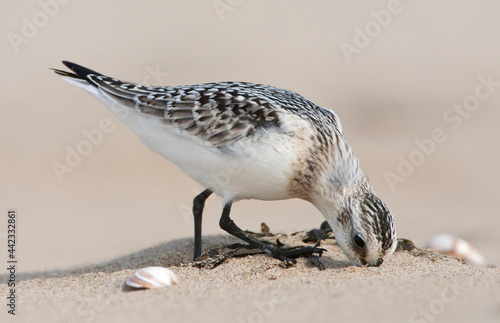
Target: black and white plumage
(253, 141)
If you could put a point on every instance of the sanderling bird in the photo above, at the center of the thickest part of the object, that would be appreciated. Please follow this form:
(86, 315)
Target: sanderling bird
(252, 141)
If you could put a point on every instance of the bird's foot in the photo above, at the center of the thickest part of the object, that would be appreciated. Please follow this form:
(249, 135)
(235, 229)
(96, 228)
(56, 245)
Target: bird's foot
(304, 252)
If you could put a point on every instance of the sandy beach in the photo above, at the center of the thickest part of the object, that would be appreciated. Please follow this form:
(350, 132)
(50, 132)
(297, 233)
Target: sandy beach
(414, 83)
(411, 286)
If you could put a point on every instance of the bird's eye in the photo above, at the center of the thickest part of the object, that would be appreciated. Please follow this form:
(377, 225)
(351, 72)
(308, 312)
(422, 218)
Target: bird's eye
(358, 240)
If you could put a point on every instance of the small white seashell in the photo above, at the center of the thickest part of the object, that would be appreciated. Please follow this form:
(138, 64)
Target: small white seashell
(152, 277)
(456, 247)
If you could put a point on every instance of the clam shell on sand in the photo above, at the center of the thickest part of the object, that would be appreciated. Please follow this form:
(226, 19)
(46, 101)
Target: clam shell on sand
(152, 277)
(454, 246)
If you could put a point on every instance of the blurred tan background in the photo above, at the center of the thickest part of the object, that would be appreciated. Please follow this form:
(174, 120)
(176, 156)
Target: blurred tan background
(390, 91)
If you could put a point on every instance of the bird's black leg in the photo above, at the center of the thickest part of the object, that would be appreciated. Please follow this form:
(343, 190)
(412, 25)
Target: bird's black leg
(198, 205)
(229, 226)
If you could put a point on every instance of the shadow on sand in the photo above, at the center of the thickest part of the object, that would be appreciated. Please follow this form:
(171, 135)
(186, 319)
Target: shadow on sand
(172, 253)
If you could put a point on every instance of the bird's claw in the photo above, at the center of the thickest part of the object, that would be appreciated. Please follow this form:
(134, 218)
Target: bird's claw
(304, 252)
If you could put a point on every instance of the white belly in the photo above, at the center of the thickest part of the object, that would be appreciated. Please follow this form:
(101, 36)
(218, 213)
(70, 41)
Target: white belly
(255, 169)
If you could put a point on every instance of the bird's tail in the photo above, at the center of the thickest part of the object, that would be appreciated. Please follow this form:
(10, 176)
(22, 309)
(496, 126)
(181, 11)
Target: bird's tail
(80, 72)
(79, 77)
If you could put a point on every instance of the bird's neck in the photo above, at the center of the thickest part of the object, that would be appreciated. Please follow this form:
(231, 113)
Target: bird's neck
(341, 181)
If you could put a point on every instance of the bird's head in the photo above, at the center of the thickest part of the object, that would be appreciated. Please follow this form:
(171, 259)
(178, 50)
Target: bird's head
(362, 225)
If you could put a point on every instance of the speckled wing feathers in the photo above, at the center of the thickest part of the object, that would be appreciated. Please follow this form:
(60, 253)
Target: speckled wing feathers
(216, 113)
